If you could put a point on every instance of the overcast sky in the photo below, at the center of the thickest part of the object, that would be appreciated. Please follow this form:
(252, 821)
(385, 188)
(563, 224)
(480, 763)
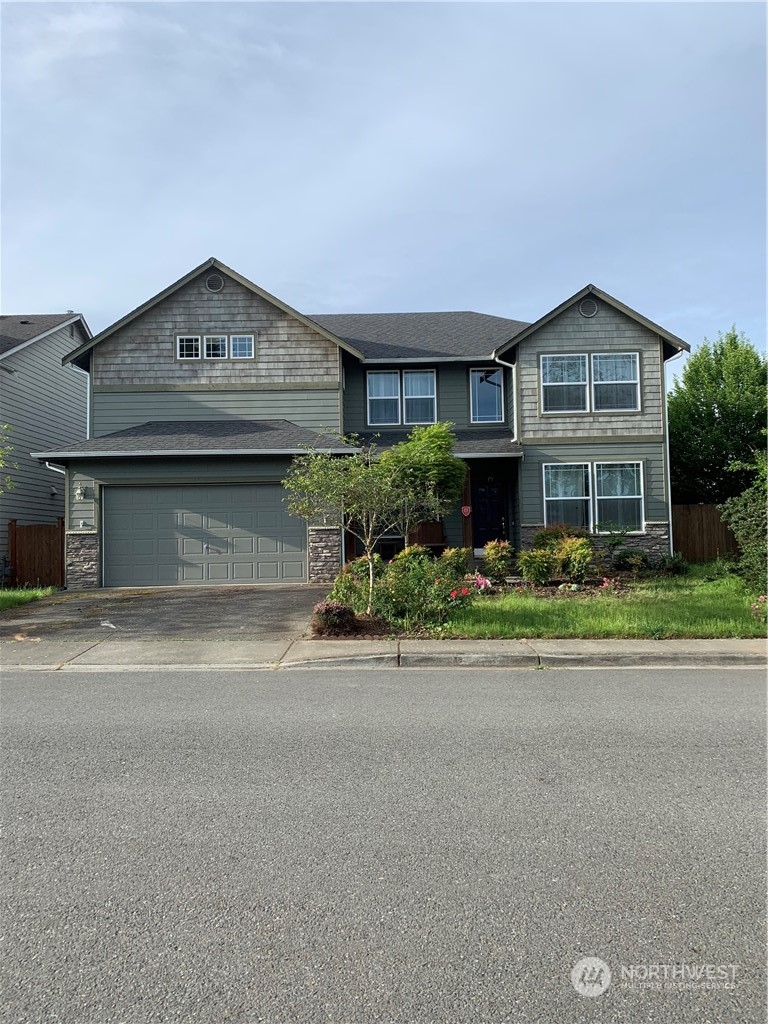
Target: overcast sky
(368, 157)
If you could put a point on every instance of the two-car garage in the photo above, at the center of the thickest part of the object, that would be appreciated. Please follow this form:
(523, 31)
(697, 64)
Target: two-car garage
(198, 534)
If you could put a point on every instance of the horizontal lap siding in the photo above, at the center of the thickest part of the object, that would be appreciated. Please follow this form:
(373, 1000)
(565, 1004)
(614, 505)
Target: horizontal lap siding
(312, 408)
(650, 454)
(45, 403)
(608, 331)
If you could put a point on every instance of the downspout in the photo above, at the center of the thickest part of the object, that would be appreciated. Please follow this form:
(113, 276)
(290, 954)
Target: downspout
(513, 368)
(666, 448)
(55, 469)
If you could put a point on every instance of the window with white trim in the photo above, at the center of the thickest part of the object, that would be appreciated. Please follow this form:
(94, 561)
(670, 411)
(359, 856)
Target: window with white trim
(215, 346)
(241, 346)
(564, 383)
(615, 382)
(619, 496)
(567, 494)
(486, 396)
(411, 395)
(188, 347)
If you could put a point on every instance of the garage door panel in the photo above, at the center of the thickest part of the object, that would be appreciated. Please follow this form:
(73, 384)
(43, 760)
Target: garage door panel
(201, 534)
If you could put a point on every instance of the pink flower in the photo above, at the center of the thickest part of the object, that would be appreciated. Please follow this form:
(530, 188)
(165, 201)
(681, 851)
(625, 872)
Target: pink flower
(454, 593)
(464, 591)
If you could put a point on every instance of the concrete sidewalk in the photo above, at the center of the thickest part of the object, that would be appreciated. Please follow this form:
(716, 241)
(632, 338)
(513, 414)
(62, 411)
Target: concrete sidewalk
(113, 655)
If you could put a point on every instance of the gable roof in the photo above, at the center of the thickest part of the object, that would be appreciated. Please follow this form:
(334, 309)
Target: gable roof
(590, 289)
(76, 356)
(382, 337)
(201, 437)
(17, 330)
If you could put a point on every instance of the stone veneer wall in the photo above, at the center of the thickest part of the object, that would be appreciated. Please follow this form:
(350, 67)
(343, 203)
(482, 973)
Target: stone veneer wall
(83, 568)
(654, 542)
(324, 553)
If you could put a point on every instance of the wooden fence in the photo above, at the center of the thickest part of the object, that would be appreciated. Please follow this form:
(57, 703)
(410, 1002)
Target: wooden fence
(36, 554)
(699, 533)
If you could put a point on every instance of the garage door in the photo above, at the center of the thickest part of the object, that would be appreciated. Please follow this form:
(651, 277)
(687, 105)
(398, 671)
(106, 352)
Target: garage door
(161, 536)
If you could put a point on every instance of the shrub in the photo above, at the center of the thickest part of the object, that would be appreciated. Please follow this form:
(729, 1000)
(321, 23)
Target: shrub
(550, 536)
(537, 566)
(351, 585)
(671, 565)
(497, 559)
(416, 589)
(331, 618)
(630, 560)
(746, 516)
(413, 552)
(456, 560)
(575, 557)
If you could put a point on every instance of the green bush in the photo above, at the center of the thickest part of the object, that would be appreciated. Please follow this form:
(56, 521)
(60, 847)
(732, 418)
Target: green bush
(497, 559)
(351, 585)
(537, 566)
(630, 560)
(413, 552)
(418, 590)
(746, 516)
(671, 565)
(456, 560)
(551, 536)
(332, 618)
(575, 557)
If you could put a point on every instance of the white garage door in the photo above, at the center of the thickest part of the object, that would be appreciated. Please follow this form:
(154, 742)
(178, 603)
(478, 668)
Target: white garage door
(161, 536)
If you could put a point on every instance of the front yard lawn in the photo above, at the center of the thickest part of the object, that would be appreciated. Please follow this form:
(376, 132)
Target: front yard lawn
(690, 606)
(14, 596)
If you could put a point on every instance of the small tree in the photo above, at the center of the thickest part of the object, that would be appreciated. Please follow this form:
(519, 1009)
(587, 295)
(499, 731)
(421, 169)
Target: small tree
(746, 516)
(370, 493)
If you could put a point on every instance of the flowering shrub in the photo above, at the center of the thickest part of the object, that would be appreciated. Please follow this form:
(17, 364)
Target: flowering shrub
(497, 559)
(481, 582)
(351, 585)
(612, 586)
(760, 608)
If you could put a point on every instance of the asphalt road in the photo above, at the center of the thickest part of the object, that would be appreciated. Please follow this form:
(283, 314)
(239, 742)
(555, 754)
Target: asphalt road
(413, 847)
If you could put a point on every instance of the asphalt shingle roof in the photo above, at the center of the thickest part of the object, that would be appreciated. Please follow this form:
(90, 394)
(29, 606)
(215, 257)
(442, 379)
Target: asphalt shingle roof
(461, 335)
(21, 327)
(480, 441)
(192, 437)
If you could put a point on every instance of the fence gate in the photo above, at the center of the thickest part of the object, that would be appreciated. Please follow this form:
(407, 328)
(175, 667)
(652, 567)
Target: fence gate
(36, 554)
(699, 533)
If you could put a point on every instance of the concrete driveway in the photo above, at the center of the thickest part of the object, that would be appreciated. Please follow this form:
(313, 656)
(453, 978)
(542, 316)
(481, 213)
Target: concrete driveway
(178, 613)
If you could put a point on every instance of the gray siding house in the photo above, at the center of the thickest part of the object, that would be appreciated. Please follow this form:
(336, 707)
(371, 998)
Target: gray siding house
(202, 395)
(45, 405)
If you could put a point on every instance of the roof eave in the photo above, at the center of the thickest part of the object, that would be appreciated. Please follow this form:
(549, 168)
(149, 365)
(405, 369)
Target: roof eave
(77, 318)
(152, 453)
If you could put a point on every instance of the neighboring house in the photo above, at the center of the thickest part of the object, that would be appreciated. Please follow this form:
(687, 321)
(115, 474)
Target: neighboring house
(45, 404)
(201, 396)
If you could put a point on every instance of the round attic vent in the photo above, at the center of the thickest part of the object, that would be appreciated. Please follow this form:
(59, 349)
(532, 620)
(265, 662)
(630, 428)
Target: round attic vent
(588, 307)
(214, 282)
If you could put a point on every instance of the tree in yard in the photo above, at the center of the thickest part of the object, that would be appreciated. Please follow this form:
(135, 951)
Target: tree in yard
(6, 483)
(370, 493)
(717, 411)
(746, 516)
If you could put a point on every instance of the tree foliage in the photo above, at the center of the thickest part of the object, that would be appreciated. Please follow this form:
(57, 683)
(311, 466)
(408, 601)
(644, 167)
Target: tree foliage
(746, 515)
(717, 411)
(370, 493)
(6, 461)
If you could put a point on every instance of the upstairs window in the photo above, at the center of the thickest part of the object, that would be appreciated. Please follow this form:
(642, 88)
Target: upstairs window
(486, 396)
(216, 346)
(409, 397)
(615, 382)
(241, 346)
(564, 383)
(188, 347)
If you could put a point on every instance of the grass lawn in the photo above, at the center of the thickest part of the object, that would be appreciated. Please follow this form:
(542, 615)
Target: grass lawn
(694, 605)
(13, 597)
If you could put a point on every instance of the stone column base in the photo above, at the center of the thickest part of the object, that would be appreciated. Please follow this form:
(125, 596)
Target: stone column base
(324, 554)
(83, 561)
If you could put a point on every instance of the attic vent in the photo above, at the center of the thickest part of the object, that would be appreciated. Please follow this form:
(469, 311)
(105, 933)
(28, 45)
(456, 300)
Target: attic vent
(588, 307)
(214, 282)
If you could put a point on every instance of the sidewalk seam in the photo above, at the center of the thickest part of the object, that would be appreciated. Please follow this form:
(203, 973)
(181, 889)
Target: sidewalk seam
(69, 661)
(534, 652)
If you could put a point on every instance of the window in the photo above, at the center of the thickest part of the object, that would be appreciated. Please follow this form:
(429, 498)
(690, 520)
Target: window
(383, 398)
(486, 396)
(567, 495)
(419, 392)
(564, 383)
(241, 346)
(188, 347)
(216, 346)
(418, 397)
(615, 382)
(619, 495)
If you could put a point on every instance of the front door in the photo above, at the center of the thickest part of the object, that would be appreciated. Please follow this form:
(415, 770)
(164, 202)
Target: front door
(489, 510)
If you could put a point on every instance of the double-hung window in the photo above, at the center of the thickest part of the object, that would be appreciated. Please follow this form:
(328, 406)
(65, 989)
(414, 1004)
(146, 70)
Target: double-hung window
(600, 495)
(407, 397)
(564, 383)
(486, 396)
(619, 495)
(615, 382)
(567, 494)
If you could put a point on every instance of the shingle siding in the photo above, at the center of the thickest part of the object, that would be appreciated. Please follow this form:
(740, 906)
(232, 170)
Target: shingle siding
(609, 331)
(45, 403)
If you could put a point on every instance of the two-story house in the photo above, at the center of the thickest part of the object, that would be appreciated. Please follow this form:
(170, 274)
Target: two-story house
(202, 395)
(45, 404)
